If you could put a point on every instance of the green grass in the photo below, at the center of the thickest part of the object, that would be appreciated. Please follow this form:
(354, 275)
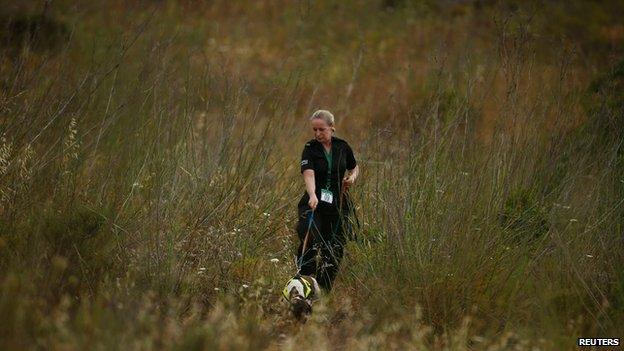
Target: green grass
(149, 175)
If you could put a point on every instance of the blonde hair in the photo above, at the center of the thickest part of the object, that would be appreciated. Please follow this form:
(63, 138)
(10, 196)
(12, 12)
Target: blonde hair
(325, 116)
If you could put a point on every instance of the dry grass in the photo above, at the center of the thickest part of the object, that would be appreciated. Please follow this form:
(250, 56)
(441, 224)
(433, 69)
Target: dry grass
(149, 174)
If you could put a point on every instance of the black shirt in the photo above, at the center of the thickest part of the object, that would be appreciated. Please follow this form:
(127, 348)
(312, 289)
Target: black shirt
(313, 157)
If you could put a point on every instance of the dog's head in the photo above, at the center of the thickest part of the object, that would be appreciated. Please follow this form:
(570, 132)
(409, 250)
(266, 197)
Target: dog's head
(300, 307)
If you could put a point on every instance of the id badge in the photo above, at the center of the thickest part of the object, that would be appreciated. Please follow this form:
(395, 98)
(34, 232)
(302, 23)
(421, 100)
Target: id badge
(327, 196)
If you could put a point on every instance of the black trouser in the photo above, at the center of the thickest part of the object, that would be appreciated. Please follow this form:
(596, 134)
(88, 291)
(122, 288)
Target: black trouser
(327, 239)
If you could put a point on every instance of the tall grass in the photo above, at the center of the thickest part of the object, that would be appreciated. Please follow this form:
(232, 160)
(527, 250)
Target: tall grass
(150, 177)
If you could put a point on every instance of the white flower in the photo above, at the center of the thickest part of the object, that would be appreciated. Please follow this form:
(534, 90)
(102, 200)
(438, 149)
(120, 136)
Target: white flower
(245, 286)
(573, 220)
(275, 260)
(588, 255)
(266, 214)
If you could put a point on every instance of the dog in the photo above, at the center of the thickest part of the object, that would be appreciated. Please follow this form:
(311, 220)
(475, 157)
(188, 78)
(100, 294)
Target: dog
(300, 292)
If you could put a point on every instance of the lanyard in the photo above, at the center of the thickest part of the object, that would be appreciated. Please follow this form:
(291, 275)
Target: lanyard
(328, 157)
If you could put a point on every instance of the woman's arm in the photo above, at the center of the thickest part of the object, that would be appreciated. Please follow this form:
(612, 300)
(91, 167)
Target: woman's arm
(308, 178)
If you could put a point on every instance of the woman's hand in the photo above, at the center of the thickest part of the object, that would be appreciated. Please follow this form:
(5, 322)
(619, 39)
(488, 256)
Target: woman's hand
(313, 202)
(349, 179)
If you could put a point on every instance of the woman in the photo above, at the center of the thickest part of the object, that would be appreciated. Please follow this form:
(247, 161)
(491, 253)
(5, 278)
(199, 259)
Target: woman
(325, 206)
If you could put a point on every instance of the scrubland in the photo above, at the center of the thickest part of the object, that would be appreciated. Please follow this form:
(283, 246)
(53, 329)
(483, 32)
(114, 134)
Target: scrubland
(149, 163)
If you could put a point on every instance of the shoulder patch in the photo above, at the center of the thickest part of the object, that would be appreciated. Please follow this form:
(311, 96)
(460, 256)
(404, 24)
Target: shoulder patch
(304, 162)
(307, 144)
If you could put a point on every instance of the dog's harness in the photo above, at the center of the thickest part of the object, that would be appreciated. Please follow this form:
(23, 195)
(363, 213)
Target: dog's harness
(307, 288)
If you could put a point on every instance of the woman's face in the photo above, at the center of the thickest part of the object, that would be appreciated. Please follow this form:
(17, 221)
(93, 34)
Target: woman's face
(322, 130)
